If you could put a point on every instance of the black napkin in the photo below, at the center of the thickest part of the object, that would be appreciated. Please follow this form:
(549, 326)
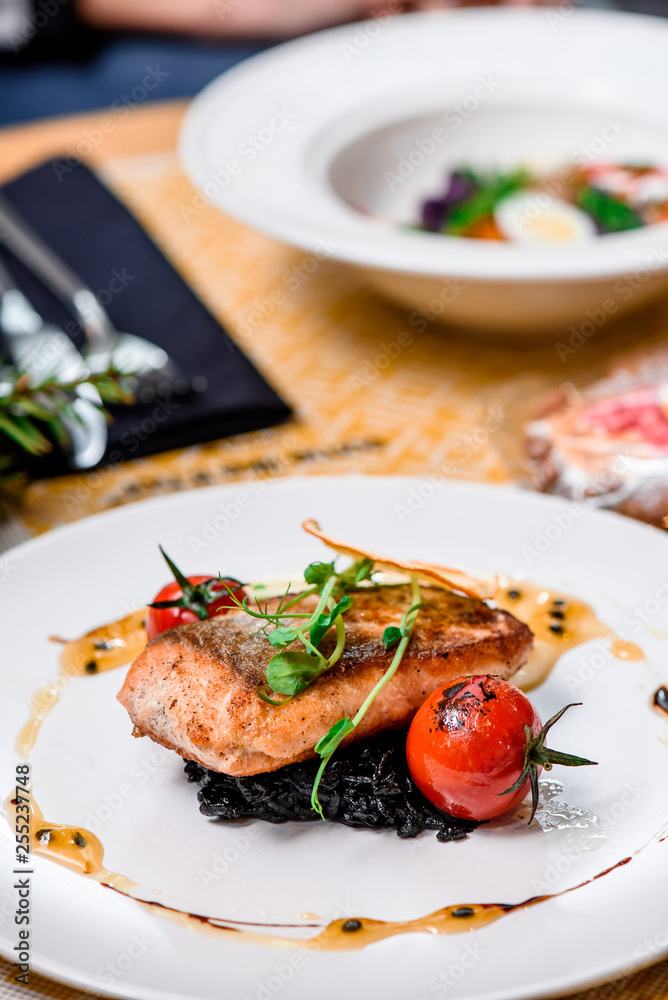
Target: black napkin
(103, 243)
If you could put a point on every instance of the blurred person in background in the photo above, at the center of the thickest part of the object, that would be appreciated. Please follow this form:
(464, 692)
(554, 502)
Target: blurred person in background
(63, 56)
(66, 56)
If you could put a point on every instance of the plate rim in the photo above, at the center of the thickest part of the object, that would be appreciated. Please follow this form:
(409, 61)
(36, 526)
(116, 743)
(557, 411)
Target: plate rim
(284, 482)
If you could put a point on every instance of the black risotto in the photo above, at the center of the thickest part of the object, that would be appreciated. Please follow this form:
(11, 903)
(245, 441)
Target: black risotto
(365, 785)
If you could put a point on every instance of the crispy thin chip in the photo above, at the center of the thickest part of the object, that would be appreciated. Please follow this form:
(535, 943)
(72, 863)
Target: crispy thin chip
(439, 576)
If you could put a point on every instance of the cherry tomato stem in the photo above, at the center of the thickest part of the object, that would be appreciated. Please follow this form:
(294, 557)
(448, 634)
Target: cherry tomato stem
(189, 599)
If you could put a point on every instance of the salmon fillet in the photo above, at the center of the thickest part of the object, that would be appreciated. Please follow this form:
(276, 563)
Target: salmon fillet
(193, 687)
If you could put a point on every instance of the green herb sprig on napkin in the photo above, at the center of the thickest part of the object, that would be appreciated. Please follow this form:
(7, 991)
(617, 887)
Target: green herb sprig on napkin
(33, 415)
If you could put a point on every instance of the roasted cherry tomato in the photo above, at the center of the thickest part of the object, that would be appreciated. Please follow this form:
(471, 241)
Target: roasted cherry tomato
(190, 599)
(476, 748)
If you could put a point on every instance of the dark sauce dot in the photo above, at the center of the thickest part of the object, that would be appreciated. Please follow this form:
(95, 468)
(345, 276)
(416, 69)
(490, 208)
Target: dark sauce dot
(661, 698)
(463, 912)
(556, 628)
(559, 602)
(91, 667)
(143, 623)
(78, 839)
(557, 614)
(104, 644)
(44, 836)
(351, 925)
(514, 594)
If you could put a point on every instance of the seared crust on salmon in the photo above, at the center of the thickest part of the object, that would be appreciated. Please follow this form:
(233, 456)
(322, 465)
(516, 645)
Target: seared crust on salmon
(193, 689)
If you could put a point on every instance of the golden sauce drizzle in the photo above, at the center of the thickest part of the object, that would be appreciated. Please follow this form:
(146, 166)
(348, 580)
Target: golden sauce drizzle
(351, 934)
(103, 648)
(625, 650)
(558, 622)
(71, 846)
(81, 851)
(106, 647)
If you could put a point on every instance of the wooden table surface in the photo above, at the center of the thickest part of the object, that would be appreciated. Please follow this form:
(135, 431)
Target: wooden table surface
(440, 403)
(146, 129)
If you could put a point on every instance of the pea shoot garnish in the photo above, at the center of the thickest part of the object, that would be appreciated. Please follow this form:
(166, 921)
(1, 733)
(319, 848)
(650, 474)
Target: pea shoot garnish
(291, 671)
(298, 635)
(398, 636)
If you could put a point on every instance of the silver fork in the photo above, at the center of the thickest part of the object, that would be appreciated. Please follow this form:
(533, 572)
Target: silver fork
(155, 372)
(41, 351)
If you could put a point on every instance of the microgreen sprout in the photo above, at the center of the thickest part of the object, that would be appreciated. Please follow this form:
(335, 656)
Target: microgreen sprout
(398, 636)
(291, 671)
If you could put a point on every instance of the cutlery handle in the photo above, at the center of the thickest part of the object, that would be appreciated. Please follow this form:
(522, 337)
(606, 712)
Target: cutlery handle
(19, 237)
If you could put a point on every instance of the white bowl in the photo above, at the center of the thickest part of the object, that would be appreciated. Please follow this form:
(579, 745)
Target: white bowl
(331, 142)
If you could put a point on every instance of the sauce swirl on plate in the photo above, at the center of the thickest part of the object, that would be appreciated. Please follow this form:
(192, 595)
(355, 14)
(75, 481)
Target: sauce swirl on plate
(81, 851)
(104, 648)
(559, 622)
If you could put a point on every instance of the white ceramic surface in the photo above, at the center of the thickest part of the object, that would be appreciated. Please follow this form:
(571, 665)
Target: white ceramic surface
(300, 142)
(89, 771)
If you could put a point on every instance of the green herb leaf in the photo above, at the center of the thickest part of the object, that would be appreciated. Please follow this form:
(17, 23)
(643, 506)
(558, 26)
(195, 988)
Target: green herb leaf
(25, 434)
(612, 215)
(318, 573)
(326, 620)
(393, 634)
(281, 637)
(272, 701)
(326, 746)
(33, 408)
(34, 415)
(290, 672)
(355, 574)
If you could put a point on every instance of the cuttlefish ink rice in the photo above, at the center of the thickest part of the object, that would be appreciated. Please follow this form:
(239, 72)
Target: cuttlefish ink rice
(365, 785)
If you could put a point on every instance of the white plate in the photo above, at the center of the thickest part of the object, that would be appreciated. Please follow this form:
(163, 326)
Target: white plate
(89, 771)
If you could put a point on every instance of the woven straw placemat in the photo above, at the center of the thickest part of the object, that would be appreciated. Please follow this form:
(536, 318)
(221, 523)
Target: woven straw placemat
(373, 389)
(372, 392)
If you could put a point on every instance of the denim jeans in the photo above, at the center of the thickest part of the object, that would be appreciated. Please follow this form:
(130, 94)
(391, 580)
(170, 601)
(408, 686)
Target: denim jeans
(127, 70)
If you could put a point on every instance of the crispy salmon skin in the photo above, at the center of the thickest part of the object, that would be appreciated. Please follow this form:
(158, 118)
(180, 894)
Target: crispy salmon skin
(193, 689)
